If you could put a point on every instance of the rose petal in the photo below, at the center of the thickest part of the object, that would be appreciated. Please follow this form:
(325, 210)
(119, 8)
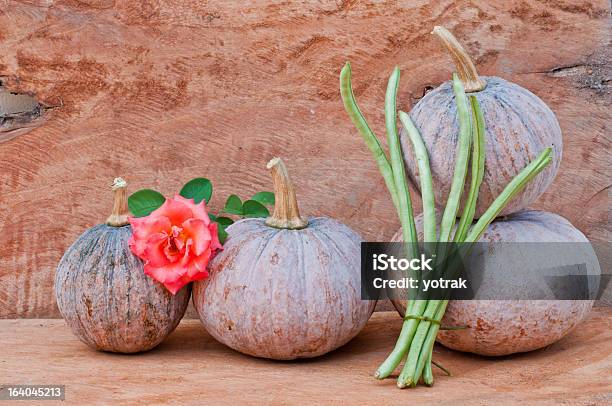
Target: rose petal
(198, 210)
(199, 276)
(142, 229)
(170, 272)
(145, 226)
(199, 233)
(156, 251)
(176, 210)
(215, 244)
(174, 287)
(199, 263)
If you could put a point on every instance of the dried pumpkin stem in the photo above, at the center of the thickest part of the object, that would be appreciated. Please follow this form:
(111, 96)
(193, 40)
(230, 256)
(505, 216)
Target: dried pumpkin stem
(119, 215)
(286, 213)
(465, 67)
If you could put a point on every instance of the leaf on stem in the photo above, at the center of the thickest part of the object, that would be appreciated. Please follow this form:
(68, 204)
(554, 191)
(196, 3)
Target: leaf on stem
(144, 202)
(251, 208)
(221, 234)
(265, 198)
(197, 189)
(233, 205)
(225, 221)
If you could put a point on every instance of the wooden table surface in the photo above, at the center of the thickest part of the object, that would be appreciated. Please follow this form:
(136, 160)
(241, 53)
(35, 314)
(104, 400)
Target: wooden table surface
(191, 367)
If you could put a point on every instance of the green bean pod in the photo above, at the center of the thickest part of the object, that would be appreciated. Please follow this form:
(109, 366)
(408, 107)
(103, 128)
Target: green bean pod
(461, 163)
(515, 186)
(348, 98)
(427, 192)
(397, 166)
(477, 174)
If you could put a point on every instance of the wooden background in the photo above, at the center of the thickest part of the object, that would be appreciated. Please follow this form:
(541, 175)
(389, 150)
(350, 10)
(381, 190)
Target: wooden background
(163, 91)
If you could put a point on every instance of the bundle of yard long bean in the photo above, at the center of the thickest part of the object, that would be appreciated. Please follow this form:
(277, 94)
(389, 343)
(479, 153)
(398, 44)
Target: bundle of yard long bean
(422, 320)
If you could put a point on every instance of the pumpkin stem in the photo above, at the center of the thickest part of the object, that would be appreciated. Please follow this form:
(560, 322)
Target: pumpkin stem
(286, 212)
(119, 215)
(465, 67)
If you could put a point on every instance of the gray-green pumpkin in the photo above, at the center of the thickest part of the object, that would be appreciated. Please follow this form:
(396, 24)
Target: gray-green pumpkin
(519, 125)
(104, 295)
(502, 327)
(284, 287)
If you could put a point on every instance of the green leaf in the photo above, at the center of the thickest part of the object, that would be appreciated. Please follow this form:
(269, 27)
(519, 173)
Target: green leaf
(197, 189)
(265, 198)
(233, 205)
(145, 201)
(222, 224)
(224, 221)
(221, 234)
(251, 208)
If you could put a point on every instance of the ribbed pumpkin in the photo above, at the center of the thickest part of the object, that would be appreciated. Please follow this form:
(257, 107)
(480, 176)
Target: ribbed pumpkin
(518, 126)
(284, 287)
(104, 295)
(502, 327)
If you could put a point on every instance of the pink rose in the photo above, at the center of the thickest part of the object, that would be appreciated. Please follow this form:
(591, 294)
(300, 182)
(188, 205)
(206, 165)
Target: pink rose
(176, 241)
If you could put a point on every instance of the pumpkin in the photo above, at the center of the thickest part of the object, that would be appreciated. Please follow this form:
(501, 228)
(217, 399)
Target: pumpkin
(502, 327)
(518, 126)
(284, 287)
(104, 295)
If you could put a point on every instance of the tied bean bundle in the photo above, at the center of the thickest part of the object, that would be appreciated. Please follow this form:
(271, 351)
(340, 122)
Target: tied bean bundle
(422, 321)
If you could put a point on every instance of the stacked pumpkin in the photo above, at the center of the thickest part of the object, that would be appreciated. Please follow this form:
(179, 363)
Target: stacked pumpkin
(518, 125)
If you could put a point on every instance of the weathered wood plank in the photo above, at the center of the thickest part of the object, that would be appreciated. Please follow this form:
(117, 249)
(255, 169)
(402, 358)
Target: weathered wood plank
(159, 92)
(191, 367)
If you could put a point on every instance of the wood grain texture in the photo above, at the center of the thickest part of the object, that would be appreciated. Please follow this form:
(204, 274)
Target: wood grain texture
(190, 367)
(163, 91)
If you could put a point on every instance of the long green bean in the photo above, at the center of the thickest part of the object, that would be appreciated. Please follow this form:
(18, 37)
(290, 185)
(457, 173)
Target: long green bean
(428, 378)
(397, 166)
(429, 342)
(408, 371)
(387, 171)
(350, 104)
(407, 376)
(461, 163)
(409, 327)
(417, 337)
(425, 178)
(515, 186)
(477, 174)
